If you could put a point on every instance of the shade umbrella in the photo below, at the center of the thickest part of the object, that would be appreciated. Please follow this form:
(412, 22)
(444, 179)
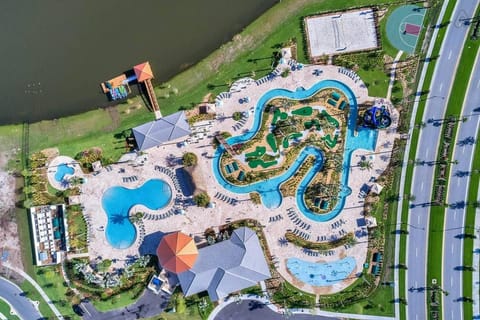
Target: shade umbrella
(177, 252)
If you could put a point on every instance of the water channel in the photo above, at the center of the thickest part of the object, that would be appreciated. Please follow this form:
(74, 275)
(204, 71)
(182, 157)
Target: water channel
(55, 53)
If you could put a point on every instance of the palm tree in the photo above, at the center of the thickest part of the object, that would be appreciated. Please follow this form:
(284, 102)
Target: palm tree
(365, 165)
(80, 267)
(90, 277)
(143, 261)
(128, 272)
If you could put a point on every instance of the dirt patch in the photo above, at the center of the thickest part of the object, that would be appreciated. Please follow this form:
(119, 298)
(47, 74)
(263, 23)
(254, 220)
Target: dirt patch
(9, 241)
(115, 117)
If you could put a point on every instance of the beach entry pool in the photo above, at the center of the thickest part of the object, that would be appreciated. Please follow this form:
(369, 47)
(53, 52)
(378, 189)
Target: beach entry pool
(63, 170)
(321, 274)
(269, 190)
(117, 202)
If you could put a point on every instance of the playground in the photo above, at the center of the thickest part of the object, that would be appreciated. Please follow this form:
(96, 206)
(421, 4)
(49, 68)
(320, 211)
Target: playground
(404, 26)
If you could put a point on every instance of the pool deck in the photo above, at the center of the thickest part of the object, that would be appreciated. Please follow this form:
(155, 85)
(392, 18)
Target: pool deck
(196, 220)
(52, 169)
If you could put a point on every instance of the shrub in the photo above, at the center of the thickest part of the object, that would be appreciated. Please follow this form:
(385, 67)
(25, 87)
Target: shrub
(202, 199)
(189, 159)
(237, 116)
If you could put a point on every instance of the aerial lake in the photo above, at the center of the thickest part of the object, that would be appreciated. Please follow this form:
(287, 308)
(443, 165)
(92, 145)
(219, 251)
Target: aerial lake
(56, 53)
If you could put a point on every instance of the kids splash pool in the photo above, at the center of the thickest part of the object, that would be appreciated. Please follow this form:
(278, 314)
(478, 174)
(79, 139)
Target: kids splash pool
(269, 190)
(63, 170)
(321, 274)
(117, 202)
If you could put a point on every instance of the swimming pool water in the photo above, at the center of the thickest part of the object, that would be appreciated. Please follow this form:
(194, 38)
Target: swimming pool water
(62, 170)
(321, 274)
(117, 202)
(269, 190)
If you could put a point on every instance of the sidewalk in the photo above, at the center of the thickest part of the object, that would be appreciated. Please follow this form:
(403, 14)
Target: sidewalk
(476, 265)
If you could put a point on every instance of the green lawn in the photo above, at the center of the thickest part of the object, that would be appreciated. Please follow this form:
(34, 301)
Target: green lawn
(468, 245)
(118, 301)
(33, 295)
(52, 282)
(5, 311)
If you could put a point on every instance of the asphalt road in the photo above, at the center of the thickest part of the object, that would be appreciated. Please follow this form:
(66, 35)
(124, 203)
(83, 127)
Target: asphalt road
(147, 306)
(455, 228)
(22, 305)
(427, 151)
(254, 310)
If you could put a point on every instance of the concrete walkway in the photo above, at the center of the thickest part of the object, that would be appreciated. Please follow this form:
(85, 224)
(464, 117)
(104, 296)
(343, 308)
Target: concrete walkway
(476, 265)
(393, 71)
(39, 289)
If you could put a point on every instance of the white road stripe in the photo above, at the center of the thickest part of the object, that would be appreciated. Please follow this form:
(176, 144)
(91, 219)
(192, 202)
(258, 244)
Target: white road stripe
(426, 153)
(418, 219)
(416, 252)
(440, 86)
(421, 186)
(450, 55)
(478, 84)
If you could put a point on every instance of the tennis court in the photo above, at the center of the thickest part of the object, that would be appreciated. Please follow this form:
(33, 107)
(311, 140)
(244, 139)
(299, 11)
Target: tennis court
(404, 26)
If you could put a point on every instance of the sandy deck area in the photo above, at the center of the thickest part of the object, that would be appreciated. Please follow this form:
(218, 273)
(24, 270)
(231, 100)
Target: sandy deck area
(196, 220)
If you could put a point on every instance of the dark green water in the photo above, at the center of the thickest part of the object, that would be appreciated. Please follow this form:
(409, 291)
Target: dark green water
(55, 53)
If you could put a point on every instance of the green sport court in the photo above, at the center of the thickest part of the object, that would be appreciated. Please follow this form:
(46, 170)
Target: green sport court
(404, 26)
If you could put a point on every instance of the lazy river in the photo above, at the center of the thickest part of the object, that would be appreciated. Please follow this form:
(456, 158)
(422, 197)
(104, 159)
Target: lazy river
(269, 190)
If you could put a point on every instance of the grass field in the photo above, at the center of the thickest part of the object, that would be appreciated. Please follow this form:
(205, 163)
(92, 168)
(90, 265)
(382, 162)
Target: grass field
(33, 295)
(468, 245)
(52, 282)
(5, 311)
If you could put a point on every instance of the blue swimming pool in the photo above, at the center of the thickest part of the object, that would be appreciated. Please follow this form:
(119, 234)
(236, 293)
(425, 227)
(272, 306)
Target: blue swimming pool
(62, 170)
(117, 202)
(321, 274)
(269, 190)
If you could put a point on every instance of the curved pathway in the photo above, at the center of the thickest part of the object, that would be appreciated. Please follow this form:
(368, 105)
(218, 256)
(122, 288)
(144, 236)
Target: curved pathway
(14, 296)
(39, 289)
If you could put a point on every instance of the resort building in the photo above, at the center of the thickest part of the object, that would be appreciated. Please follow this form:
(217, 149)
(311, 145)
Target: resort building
(50, 233)
(164, 130)
(227, 266)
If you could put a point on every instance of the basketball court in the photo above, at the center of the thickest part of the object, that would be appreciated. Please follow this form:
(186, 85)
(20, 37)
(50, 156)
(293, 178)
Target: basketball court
(404, 26)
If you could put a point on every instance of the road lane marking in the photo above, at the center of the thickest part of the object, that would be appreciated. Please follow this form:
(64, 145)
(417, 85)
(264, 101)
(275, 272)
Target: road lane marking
(426, 153)
(458, 182)
(451, 281)
(418, 220)
(455, 212)
(463, 150)
(416, 253)
(452, 247)
(478, 84)
(421, 186)
(450, 55)
(440, 87)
